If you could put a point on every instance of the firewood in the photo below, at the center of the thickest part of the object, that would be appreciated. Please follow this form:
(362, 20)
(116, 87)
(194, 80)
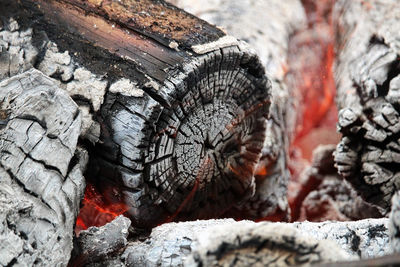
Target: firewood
(368, 76)
(269, 35)
(41, 181)
(182, 107)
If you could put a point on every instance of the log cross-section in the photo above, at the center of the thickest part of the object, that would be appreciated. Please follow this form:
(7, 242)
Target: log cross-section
(184, 114)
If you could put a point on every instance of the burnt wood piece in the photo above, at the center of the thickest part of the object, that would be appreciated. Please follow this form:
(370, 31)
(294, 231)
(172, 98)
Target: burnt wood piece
(368, 85)
(269, 35)
(41, 181)
(184, 113)
(99, 244)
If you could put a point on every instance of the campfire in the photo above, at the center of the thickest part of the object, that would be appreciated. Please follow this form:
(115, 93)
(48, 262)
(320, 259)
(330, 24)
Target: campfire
(136, 133)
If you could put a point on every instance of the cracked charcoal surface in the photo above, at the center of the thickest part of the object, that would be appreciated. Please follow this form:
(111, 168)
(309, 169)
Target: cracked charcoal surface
(41, 169)
(276, 21)
(368, 75)
(195, 157)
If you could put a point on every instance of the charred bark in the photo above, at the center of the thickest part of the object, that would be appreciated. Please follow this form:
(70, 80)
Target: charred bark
(367, 74)
(269, 35)
(183, 116)
(41, 182)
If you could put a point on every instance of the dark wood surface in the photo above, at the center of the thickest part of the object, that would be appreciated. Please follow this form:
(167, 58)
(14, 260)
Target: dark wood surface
(368, 82)
(188, 146)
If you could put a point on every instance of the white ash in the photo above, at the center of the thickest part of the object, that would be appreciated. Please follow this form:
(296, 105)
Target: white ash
(55, 62)
(367, 238)
(200, 242)
(220, 43)
(151, 83)
(76, 80)
(11, 245)
(88, 85)
(174, 45)
(168, 244)
(126, 87)
(268, 244)
(17, 54)
(90, 129)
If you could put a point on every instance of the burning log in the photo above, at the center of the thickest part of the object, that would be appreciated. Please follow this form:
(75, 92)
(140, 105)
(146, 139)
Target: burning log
(368, 81)
(41, 181)
(181, 106)
(276, 22)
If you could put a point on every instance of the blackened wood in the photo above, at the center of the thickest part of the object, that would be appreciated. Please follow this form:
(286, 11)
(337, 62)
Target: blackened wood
(269, 35)
(41, 182)
(368, 81)
(155, 19)
(182, 137)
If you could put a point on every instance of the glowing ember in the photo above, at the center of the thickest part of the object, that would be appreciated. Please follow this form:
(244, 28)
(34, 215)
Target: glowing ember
(96, 211)
(311, 58)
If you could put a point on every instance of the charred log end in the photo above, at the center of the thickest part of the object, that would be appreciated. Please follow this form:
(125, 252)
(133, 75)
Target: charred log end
(194, 153)
(183, 141)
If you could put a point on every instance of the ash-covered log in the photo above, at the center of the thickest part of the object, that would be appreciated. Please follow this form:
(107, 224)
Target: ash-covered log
(181, 106)
(41, 181)
(368, 84)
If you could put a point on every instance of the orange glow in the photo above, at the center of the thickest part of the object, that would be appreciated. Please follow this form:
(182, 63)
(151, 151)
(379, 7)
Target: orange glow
(261, 170)
(311, 59)
(96, 211)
